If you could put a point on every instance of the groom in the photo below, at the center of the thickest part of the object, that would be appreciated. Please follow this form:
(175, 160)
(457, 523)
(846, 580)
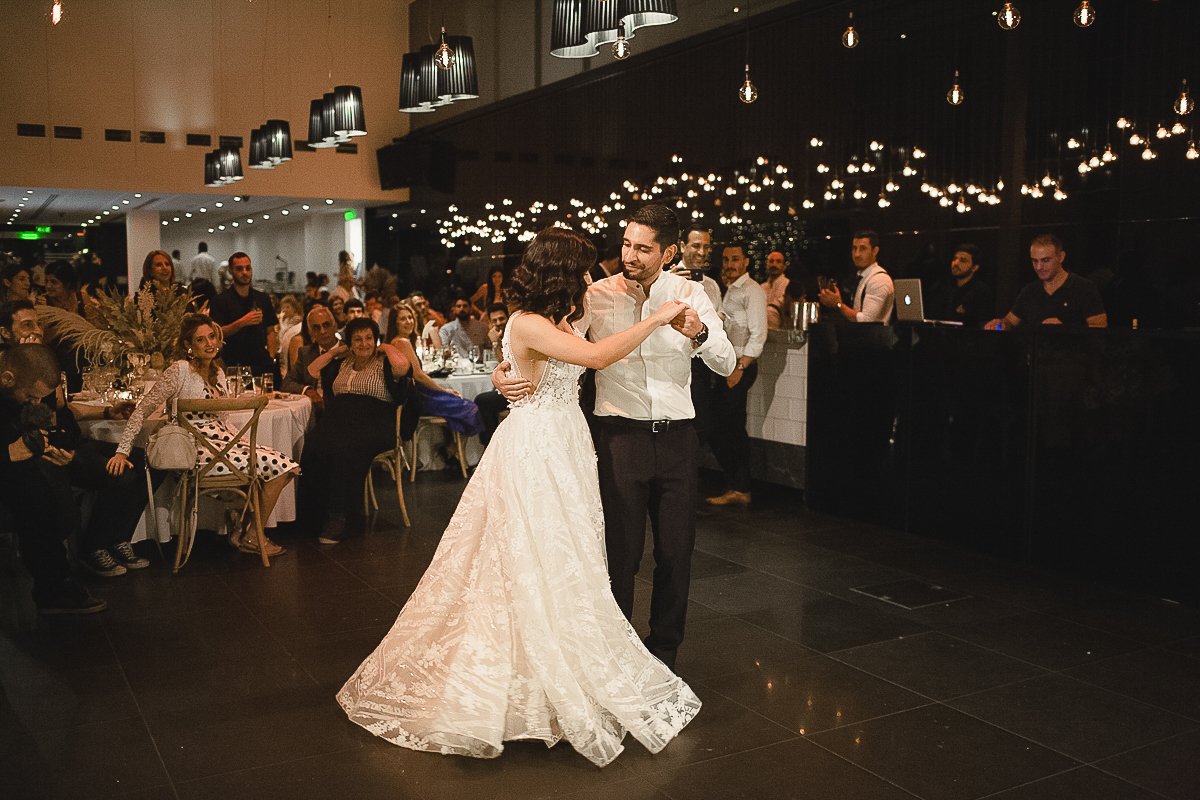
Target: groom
(646, 445)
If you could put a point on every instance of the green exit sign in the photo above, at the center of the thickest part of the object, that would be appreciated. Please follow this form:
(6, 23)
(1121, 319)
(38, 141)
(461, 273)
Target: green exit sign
(30, 235)
(42, 229)
(351, 214)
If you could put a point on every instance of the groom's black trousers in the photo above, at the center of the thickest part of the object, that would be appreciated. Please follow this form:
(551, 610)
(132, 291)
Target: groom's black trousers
(642, 470)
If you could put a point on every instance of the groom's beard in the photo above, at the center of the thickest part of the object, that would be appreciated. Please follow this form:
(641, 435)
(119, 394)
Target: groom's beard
(463, 317)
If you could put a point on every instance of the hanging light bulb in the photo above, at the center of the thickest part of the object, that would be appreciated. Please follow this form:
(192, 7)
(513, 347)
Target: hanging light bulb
(444, 57)
(945, 202)
(829, 195)
(56, 12)
(1059, 194)
(815, 142)
(1008, 18)
(955, 96)
(892, 186)
(918, 152)
(850, 37)
(1183, 104)
(1046, 179)
(1094, 161)
(1084, 169)
(883, 200)
(808, 203)
(875, 146)
(1000, 185)
(1135, 139)
(859, 194)
(1072, 143)
(852, 168)
(1192, 153)
(1162, 132)
(1108, 156)
(1122, 123)
(1035, 191)
(748, 93)
(1084, 15)
(822, 168)
(1148, 154)
(962, 207)
(1178, 129)
(621, 49)
(1024, 189)
(836, 183)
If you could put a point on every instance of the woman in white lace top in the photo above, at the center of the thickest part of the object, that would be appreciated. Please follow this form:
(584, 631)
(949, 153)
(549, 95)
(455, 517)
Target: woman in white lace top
(197, 375)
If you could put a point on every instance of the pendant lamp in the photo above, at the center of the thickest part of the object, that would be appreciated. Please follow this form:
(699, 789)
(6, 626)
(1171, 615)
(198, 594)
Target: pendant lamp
(316, 125)
(460, 82)
(580, 27)
(277, 140)
(212, 169)
(231, 164)
(410, 85)
(258, 149)
(348, 112)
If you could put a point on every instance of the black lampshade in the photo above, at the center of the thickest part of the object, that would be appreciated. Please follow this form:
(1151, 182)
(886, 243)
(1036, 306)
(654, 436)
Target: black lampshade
(460, 82)
(258, 149)
(329, 120)
(317, 125)
(348, 116)
(231, 164)
(430, 81)
(212, 169)
(277, 140)
(580, 27)
(410, 85)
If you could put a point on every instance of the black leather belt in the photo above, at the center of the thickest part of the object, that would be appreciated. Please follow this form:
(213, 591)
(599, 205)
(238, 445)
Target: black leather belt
(651, 425)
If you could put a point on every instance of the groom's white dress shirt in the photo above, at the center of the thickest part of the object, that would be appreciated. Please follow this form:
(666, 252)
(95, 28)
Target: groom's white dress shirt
(653, 382)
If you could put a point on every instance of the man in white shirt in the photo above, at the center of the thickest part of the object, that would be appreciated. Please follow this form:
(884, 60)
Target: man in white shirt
(646, 445)
(745, 312)
(775, 287)
(875, 295)
(696, 250)
(203, 266)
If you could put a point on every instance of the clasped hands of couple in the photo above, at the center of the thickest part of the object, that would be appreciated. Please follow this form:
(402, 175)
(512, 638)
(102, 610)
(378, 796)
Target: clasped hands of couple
(676, 313)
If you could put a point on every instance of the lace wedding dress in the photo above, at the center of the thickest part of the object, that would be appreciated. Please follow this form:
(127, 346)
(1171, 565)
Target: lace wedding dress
(513, 632)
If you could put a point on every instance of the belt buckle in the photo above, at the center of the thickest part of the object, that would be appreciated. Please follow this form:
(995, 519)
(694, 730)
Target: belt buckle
(660, 425)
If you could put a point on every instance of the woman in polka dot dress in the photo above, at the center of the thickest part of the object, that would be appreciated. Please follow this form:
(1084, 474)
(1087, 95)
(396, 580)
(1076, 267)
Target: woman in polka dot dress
(197, 375)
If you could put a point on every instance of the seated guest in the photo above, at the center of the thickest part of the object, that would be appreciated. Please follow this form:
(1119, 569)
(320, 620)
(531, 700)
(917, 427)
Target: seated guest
(62, 287)
(338, 306)
(1057, 297)
(971, 301)
(158, 271)
(402, 325)
(197, 375)
(463, 331)
(431, 399)
(428, 320)
(28, 374)
(15, 283)
(321, 331)
(491, 403)
(354, 309)
(362, 383)
(291, 318)
(19, 324)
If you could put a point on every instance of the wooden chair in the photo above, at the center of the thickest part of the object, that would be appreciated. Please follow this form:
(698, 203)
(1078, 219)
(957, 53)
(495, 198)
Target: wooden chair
(395, 462)
(424, 423)
(243, 482)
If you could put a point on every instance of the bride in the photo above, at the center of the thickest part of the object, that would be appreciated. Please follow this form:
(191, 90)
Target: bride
(513, 632)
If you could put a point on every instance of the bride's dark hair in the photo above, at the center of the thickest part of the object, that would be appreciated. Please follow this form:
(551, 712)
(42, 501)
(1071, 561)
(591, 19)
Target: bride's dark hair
(549, 280)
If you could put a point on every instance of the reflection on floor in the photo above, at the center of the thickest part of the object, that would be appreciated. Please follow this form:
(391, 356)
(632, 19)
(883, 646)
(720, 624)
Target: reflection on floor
(219, 683)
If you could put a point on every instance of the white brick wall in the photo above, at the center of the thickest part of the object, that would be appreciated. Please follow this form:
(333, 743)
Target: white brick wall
(777, 406)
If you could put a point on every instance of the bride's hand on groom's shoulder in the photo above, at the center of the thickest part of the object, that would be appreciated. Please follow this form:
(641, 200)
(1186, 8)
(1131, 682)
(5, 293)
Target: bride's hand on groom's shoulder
(511, 387)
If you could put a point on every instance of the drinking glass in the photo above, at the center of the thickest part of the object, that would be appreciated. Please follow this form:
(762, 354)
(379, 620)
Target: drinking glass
(268, 384)
(476, 356)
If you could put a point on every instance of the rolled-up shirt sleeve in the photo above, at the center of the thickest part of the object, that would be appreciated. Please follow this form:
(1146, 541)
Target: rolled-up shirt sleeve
(717, 351)
(756, 320)
(876, 302)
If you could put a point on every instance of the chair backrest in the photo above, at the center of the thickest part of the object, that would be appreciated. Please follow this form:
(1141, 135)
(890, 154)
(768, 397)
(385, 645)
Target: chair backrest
(220, 451)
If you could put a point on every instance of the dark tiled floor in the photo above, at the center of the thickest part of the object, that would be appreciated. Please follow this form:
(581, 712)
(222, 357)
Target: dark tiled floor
(219, 683)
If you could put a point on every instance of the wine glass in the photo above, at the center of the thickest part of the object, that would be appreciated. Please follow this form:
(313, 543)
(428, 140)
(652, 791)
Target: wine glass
(476, 356)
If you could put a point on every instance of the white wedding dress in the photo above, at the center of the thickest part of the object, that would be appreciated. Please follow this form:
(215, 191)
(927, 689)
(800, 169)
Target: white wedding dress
(513, 632)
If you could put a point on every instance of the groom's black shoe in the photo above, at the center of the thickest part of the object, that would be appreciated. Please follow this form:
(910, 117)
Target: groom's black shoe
(665, 656)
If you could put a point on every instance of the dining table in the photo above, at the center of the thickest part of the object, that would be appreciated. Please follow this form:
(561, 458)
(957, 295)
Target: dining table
(282, 426)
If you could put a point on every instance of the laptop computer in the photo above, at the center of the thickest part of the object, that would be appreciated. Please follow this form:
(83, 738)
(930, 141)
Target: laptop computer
(910, 304)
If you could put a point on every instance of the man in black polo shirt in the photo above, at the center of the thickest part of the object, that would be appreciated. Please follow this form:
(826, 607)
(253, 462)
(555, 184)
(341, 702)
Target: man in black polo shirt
(1057, 297)
(970, 301)
(247, 319)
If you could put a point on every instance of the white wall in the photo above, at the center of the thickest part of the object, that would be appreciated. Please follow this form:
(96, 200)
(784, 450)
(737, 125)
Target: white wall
(309, 244)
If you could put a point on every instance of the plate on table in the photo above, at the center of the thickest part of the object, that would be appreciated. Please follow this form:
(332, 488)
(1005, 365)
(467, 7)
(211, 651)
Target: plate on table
(286, 396)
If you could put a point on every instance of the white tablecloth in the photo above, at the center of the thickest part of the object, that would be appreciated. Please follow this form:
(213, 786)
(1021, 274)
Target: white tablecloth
(282, 426)
(436, 444)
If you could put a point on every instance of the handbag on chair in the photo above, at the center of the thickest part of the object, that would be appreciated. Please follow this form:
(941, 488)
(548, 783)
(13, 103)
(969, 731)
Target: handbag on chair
(171, 447)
